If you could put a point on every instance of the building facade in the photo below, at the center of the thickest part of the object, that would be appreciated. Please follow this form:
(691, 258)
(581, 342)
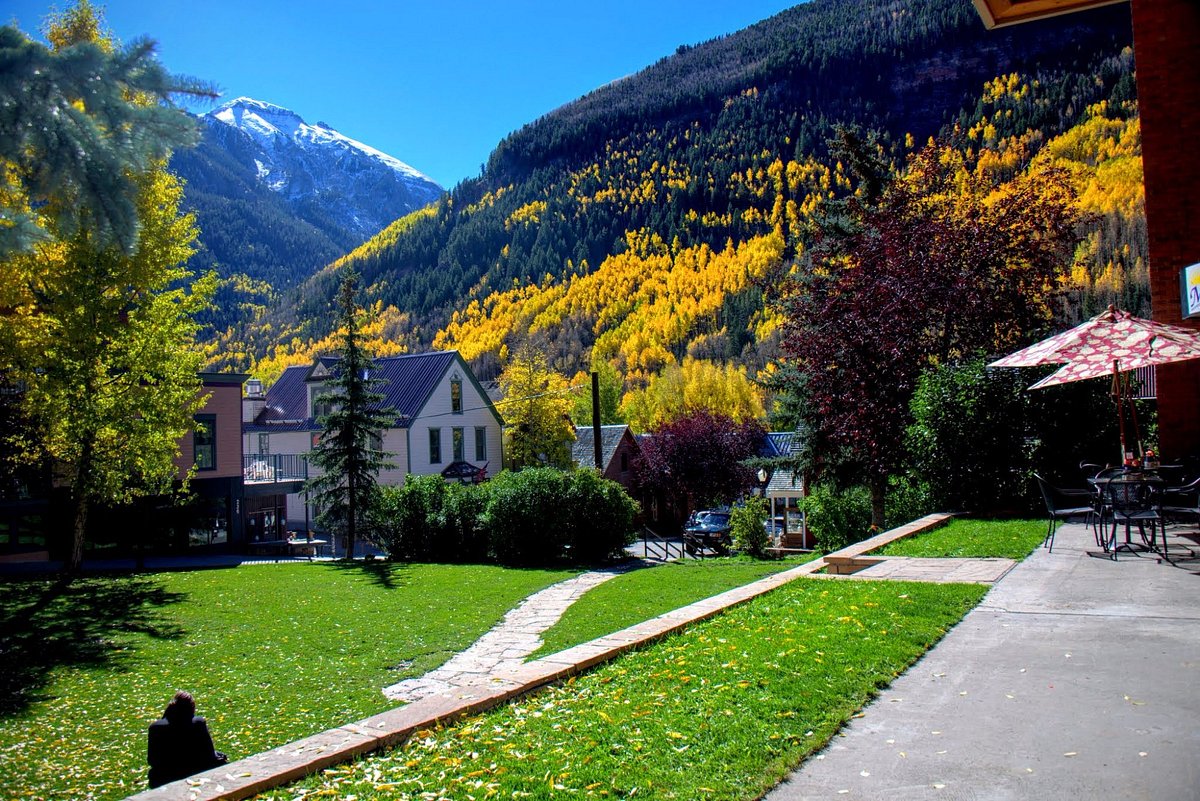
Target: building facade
(444, 423)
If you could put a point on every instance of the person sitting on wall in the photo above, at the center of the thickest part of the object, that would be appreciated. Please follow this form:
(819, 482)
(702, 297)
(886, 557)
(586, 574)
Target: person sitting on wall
(179, 743)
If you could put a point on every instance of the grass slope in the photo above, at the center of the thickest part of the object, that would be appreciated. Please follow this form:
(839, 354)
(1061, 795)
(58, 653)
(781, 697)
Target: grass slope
(633, 597)
(962, 537)
(272, 653)
(721, 711)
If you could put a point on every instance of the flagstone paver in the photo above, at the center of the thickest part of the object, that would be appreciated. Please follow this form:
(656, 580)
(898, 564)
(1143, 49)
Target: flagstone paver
(505, 647)
(938, 570)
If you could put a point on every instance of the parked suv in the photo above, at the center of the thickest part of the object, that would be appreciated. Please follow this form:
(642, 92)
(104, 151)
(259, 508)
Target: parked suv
(707, 530)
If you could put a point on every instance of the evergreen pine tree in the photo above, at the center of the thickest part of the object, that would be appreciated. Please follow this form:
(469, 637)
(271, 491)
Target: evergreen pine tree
(78, 123)
(348, 454)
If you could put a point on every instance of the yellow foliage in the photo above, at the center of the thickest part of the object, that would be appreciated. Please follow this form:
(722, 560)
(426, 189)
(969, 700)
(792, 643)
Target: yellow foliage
(695, 385)
(385, 332)
(529, 214)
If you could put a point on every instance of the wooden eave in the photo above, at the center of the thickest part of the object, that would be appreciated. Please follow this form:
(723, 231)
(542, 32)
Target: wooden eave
(999, 13)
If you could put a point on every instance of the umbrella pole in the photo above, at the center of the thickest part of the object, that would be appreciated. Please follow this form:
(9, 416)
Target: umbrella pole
(1120, 399)
(1137, 431)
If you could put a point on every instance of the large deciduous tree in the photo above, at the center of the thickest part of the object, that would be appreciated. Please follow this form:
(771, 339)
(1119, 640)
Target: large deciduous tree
(349, 452)
(96, 310)
(935, 264)
(537, 412)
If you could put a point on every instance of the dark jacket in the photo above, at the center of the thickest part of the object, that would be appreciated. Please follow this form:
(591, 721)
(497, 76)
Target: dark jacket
(180, 748)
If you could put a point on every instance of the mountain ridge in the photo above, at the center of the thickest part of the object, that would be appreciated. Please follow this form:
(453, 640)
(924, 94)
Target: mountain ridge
(277, 199)
(715, 148)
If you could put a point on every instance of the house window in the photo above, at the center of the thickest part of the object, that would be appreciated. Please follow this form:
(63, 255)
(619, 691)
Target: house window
(435, 446)
(375, 441)
(264, 444)
(204, 442)
(456, 395)
(624, 462)
(481, 444)
(457, 438)
(322, 404)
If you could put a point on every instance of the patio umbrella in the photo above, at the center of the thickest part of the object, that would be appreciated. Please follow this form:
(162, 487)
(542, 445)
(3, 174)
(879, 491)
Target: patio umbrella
(1108, 344)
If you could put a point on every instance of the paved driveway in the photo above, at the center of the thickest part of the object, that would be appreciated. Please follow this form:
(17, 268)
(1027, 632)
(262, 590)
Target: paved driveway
(1076, 678)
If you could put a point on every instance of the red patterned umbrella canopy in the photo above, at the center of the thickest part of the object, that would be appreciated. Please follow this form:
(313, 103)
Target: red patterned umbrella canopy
(1112, 340)
(1109, 343)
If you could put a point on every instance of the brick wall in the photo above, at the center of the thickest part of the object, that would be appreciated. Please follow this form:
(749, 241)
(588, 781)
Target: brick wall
(1165, 34)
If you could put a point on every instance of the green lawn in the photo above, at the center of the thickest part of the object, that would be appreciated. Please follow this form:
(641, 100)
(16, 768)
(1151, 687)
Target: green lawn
(272, 653)
(722, 710)
(1012, 539)
(640, 595)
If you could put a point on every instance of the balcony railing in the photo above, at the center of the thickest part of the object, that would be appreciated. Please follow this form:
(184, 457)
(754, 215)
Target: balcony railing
(273, 468)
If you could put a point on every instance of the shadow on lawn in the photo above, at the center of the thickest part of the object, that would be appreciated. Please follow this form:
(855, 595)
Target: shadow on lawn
(388, 575)
(47, 624)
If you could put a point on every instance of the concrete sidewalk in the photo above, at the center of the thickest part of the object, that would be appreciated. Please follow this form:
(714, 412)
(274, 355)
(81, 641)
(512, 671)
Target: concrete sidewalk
(1077, 677)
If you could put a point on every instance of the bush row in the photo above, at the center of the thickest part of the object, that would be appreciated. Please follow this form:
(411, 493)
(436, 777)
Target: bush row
(532, 517)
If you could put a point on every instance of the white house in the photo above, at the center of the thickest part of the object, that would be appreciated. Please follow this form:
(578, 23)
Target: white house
(444, 423)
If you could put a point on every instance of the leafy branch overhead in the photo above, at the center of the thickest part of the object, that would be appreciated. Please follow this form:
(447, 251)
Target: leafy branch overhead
(77, 124)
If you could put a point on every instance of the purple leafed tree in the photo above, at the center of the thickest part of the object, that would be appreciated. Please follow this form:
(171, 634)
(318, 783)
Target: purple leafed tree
(697, 460)
(943, 266)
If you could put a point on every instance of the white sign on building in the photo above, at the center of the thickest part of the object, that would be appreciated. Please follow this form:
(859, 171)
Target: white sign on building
(1189, 284)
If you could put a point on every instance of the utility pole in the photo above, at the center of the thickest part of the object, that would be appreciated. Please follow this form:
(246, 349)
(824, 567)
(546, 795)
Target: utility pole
(596, 420)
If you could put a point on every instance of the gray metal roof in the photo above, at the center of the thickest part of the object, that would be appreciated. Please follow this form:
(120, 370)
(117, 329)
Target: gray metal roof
(407, 383)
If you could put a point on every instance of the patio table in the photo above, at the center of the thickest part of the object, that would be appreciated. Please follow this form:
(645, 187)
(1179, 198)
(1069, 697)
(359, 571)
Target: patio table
(1147, 478)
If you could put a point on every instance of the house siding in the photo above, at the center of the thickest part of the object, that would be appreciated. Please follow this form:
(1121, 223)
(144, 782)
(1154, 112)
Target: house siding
(436, 413)
(409, 447)
(225, 403)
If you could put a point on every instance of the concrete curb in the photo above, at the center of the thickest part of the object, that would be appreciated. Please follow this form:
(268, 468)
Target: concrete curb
(287, 763)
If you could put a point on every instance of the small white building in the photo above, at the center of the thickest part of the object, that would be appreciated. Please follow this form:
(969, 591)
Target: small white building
(444, 423)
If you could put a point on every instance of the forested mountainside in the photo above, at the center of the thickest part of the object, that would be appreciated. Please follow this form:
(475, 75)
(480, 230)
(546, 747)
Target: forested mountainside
(636, 224)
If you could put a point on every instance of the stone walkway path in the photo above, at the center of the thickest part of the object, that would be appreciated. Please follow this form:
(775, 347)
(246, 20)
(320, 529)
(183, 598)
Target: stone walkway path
(505, 647)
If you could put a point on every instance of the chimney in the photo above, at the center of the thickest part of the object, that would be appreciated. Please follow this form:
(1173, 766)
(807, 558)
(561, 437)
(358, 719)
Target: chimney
(254, 401)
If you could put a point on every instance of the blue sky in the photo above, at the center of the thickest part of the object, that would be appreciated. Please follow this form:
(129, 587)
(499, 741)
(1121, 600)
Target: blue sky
(435, 84)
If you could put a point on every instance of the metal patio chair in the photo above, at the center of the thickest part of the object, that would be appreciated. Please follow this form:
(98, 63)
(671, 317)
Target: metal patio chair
(1062, 504)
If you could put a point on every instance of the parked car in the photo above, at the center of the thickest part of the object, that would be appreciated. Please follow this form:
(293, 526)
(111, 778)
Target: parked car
(707, 530)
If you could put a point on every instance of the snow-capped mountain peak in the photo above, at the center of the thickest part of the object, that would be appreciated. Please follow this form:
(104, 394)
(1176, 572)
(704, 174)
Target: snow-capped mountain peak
(266, 121)
(257, 118)
(315, 162)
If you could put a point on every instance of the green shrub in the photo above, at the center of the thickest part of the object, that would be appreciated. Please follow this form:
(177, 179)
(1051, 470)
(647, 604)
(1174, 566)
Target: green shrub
(908, 498)
(838, 518)
(599, 517)
(978, 435)
(535, 516)
(525, 516)
(461, 535)
(746, 527)
(968, 436)
(404, 519)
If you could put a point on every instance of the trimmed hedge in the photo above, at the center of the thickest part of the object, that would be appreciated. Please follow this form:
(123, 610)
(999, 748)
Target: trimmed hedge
(537, 516)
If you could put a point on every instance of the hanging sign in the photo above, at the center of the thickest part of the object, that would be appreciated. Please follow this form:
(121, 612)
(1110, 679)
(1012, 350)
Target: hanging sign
(1189, 285)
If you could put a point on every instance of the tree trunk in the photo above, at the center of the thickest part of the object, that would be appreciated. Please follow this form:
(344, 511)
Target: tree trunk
(350, 515)
(81, 498)
(877, 483)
